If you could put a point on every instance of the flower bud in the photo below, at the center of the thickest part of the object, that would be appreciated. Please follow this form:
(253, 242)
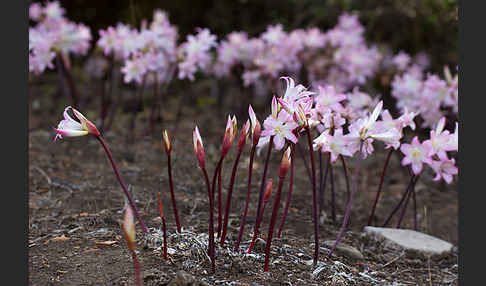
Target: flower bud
(167, 144)
(128, 227)
(228, 136)
(86, 124)
(268, 191)
(284, 164)
(243, 135)
(275, 107)
(256, 133)
(198, 146)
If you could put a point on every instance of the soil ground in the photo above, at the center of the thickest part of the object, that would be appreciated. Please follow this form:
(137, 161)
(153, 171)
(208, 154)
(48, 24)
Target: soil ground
(75, 209)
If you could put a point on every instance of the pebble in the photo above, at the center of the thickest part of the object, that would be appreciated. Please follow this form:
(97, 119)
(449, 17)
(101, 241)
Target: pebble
(345, 250)
(412, 241)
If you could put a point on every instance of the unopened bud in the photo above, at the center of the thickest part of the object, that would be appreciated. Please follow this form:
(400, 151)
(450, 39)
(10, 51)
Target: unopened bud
(284, 164)
(268, 191)
(256, 133)
(198, 146)
(243, 135)
(274, 107)
(128, 227)
(167, 144)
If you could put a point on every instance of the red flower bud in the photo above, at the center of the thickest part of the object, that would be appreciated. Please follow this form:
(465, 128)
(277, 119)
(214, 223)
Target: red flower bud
(285, 164)
(268, 191)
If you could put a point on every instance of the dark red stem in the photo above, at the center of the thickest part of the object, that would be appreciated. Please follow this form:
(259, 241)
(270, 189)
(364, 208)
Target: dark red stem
(172, 196)
(333, 194)
(348, 188)
(273, 219)
(228, 198)
(211, 222)
(245, 211)
(350, 201)
(411, 193)
(165, 238)
(136, 265)
(397, 207)
(217, 172)
(415, 225)
(69, 78)
(314, 197)
(370, 218)
(404, 208)
(289, 194)
(264, 176)
(256, 231)
(322, 184)
(122, 183)
(301, 153)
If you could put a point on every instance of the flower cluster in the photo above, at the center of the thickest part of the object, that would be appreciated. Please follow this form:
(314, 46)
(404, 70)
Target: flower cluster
(54, 34)
(151, 50)
(194, 54)
(433, 152)
(431, 96)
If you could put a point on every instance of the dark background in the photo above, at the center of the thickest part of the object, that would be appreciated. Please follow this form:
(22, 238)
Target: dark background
(411, 26)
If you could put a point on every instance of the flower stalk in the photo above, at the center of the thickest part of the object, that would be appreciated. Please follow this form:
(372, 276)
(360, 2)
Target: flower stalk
(289, 193)
(256, 138)
(284, 166)
(241, 144)
(162, 217)
(264, 175)
(372, 214)
(266, 198)
(168, 149)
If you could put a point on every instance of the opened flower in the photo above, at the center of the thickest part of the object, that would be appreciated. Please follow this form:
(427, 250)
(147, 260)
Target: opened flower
(72, 128)
(416, 154)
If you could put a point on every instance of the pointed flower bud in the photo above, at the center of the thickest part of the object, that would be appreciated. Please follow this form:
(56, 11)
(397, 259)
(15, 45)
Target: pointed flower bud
(300, 117)
(198, 146)
(284, 164)
(167, 144)
(243, 135)
(268, 191)
(72, 128)
(275, 107)
(128, 227)
(228, 136)
(256, 133)
(255, 126)
(235, 127)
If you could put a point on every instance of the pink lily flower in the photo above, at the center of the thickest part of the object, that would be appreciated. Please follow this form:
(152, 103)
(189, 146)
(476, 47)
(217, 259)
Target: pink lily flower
(416, 154)
(444, 168)
(328, 98)
(72, 128)
(336, 144)
(280, 129)
(440, 140)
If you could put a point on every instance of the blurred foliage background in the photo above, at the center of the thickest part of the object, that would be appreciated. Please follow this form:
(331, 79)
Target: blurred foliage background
(411, 26)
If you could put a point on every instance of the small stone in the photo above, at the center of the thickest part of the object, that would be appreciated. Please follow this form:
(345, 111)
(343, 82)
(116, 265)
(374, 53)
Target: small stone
(185, 279)
(412, 241)
(345, 250)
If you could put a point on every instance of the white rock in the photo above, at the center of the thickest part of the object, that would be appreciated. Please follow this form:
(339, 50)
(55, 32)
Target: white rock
(411, 240)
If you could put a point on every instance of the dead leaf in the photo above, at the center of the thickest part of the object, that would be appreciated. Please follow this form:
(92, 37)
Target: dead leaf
(60, 238)
(91, 250)
(106, 243)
